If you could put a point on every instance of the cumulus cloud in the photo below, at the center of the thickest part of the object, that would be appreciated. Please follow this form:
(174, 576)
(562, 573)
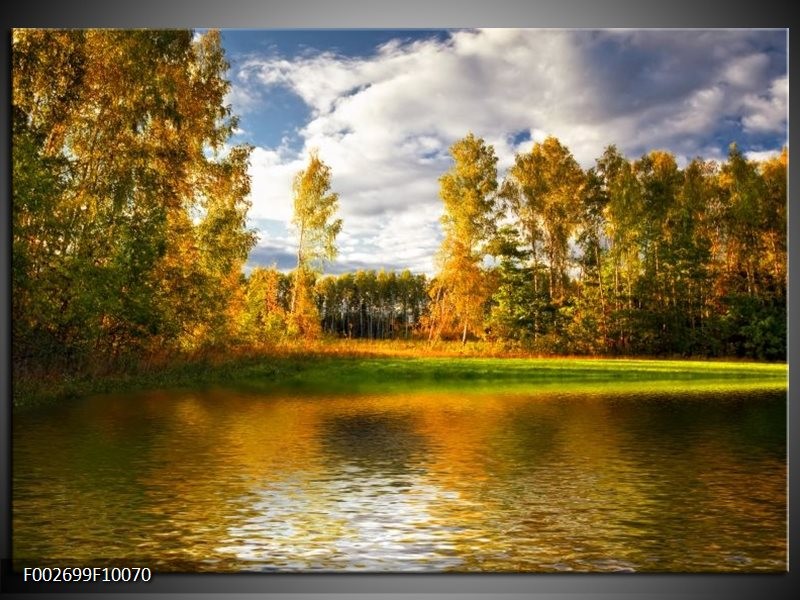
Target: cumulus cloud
(272, 173)
(762, 155)
(767, 112)
(243, 99)
(384, 122)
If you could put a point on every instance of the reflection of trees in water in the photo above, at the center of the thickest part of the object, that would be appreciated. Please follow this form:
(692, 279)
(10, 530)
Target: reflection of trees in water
(384, 442)
(79, 478)
(529, 439)
(367, 505)
(750, 425)
(419, 481)
(710, 475)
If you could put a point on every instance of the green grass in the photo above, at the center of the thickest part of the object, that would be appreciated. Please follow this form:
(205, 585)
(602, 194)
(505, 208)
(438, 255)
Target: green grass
(341, 373)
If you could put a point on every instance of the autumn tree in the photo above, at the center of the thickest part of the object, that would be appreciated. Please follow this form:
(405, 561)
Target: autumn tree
(753, 280)
(773, 219)
(543, 193)
(621, 217)
(267, 294)
(315, 207)
(469, 220)
(122, 188)
(589, 328)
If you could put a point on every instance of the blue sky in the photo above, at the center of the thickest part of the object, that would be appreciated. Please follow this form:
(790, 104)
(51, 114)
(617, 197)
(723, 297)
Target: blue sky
(382, 107)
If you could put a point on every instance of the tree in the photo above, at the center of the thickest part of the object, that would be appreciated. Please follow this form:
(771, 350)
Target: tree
(123, 187)
(514, 303)
(659, 183)
(591, 315)
(752, 285)
(774, 173)
(266, 304)
(369, 304)
(314, 209)
(621, 214)
(686, 261)
(743, 190)
(468, 193)
(543, 192)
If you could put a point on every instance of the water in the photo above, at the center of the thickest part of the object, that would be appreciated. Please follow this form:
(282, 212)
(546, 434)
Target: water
(416, 481)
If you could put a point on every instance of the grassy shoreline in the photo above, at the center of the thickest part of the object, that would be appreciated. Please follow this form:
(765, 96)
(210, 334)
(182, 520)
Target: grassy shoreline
(375, 367)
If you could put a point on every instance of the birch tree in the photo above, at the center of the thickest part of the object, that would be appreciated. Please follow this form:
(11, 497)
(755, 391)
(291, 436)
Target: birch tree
(468, 192)
(315, 207)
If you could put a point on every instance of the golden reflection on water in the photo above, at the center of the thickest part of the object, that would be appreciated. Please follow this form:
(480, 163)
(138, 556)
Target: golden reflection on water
(407, 481)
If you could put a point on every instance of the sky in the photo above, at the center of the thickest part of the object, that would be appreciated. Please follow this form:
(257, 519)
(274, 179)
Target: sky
(383, 107)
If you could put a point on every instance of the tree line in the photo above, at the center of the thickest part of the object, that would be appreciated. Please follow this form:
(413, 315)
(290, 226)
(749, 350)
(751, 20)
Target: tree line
(627, 257)
(366, 304)
(130, 237)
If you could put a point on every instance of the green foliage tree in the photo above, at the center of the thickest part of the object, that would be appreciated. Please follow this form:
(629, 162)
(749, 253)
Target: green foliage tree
(589, 329)
(515, 306)
(543, 193)
(370, 304)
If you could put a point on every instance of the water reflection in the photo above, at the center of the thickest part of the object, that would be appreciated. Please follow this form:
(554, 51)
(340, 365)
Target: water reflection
(417, 481)
(376, 441)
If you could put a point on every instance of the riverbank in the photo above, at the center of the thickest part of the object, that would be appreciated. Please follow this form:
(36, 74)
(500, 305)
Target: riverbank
(389, 365)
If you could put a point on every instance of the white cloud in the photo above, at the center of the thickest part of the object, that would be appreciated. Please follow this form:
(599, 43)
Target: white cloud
(746, 71)
(384, 122)
(761, 155)
(767, 112)
(243, 98)
(271, 186)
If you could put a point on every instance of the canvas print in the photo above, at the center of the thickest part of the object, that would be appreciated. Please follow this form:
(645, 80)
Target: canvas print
(469, 300)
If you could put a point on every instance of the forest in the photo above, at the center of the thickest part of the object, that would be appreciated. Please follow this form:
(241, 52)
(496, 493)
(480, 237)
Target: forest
(130, 232)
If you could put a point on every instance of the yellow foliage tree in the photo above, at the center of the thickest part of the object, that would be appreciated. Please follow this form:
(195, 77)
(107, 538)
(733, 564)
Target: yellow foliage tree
(314, 209)
(468, 191)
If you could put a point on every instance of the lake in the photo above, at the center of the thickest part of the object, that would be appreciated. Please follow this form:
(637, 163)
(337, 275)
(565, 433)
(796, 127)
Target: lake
(477, 478)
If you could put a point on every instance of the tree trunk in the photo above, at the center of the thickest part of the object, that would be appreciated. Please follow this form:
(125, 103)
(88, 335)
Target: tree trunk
(433, 308)
(299, 268)
(603, 328)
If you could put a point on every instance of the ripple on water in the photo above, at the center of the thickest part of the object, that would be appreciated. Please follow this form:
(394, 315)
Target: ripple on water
(420, 482)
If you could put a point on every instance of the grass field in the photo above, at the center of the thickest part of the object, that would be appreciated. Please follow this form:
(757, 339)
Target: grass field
(369, 369)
